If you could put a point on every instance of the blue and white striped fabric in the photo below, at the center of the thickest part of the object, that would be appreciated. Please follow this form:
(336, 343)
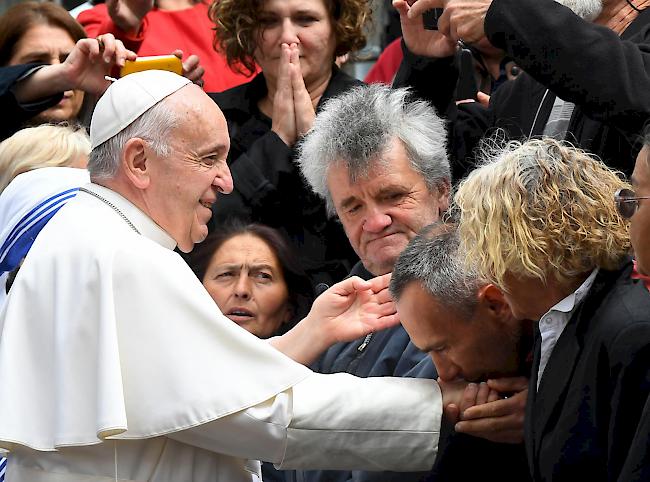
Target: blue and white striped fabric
(3, 468)
(26, 205)
(22, 236)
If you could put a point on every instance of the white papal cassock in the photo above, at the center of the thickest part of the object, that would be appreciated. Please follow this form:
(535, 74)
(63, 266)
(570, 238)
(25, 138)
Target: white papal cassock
(115, 364)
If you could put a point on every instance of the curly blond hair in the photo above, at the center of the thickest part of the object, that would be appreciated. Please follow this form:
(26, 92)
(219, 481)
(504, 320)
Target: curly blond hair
(237, 33)
(541, 209)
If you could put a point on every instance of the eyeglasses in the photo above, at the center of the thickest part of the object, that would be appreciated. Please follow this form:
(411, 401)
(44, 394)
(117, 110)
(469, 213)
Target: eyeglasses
(627, 202)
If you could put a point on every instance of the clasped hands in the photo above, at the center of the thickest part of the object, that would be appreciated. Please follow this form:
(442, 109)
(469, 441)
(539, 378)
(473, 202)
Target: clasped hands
(481, 409)
(293, 110)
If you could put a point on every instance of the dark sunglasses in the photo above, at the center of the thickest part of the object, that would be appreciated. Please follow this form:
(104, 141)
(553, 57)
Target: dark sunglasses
(627, 202)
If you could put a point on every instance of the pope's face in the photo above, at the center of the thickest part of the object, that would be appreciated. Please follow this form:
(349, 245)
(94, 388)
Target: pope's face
(184, 185)
(383, 211)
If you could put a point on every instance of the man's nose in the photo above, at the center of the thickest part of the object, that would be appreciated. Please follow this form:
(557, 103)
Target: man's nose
(223, 180)
(376, 221)
(447, 370)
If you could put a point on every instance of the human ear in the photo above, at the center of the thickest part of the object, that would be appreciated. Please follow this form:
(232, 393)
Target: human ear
(136, 162)
(494, 300)
(444, 188)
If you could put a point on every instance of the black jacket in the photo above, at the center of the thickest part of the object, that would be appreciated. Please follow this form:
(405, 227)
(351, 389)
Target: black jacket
(269, 187)
(606, 76)
(582, 422)
(14, 114)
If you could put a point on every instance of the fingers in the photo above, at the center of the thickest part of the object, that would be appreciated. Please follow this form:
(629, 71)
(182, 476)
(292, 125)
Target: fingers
(383, 295)
(452, 413)
(122, 54)
(514, 436)
(355, 284)
(420, 6)
(303, 106)
(193, 70)
(108, 42)
(380, 283)
(482, 394)
(498, 408)
(493, 396)
(483, 98)
(484, 425)
(469, 397)
(384, 322)
(107, 49)
(508, 384)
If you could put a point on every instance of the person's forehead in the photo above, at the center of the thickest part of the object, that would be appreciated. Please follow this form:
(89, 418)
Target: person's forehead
(378, 173)
(246, 247)
(45, 37)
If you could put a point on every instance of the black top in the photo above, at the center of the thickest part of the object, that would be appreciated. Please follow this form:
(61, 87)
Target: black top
(589, 418)
(14, 114)
(269, 187)
(606, 76)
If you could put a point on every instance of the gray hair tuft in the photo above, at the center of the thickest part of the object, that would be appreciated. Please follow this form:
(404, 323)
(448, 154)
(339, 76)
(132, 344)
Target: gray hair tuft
(433, 259)
(357, 126)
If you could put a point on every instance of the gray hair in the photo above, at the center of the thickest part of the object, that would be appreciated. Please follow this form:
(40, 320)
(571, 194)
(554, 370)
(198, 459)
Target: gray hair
(433, 259)
(153, 126)
(357, 126)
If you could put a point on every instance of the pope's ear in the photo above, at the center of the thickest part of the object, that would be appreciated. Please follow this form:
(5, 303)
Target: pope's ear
(136, 163)
(493, 300)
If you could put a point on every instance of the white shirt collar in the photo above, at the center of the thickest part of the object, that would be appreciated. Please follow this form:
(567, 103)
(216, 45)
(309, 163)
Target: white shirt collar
(140, 220)
(555, 320)
(570, 303)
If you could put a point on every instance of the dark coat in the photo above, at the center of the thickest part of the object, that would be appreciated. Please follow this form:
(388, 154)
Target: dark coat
(269, 187)
(607, 77)
(14, 114)
(582, 422)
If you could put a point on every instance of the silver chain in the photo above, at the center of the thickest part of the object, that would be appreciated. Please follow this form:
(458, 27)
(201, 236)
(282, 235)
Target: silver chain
(111, 205)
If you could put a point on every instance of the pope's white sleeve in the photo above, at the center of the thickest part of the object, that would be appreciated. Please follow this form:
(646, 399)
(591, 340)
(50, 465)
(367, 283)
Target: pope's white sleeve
(336, 422)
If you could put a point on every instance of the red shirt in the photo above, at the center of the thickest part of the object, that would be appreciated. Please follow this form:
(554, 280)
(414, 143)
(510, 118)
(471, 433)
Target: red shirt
(163, 31)
(644, 278)
(384, 70)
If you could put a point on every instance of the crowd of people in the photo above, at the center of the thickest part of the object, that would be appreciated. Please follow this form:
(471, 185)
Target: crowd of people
(265, 269)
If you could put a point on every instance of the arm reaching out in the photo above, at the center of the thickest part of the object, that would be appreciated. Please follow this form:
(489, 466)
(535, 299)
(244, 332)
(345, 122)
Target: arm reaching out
(83, 69)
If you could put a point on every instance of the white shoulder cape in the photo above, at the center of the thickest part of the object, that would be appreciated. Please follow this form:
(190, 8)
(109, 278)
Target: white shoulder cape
(108, 333)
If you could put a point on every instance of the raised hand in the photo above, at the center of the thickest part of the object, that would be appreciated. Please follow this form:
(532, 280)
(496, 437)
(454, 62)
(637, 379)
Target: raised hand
(420, 41)
(128, 14)
(461, 19)
(192, 68)
(499, 420)
(91, 60)
(284, 116)
(353, 308)
(346, 311)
